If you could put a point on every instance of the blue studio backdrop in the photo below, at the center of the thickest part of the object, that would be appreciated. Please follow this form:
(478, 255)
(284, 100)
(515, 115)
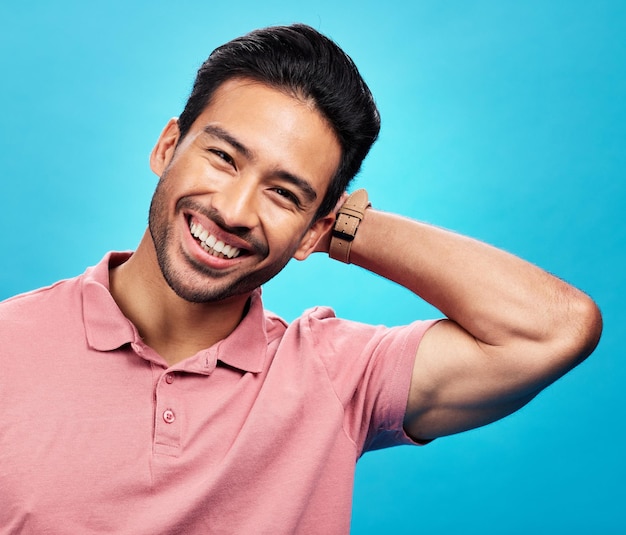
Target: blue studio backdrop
(502, 120)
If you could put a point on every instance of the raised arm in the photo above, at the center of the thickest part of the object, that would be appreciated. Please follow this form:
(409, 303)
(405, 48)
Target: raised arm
(512, 328)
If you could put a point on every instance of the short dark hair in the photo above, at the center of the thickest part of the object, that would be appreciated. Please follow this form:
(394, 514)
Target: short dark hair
(309, 65)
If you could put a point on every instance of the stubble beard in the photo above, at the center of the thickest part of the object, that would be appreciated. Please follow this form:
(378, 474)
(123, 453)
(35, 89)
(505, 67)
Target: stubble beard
(196, 282)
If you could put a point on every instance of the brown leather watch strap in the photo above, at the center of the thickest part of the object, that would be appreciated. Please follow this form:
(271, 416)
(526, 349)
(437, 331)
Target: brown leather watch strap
(347, 223)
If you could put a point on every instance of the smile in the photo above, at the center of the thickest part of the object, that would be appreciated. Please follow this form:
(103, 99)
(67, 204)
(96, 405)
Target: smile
(211, 244)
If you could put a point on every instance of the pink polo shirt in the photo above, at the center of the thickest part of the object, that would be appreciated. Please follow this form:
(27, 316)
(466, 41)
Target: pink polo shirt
(257, 434)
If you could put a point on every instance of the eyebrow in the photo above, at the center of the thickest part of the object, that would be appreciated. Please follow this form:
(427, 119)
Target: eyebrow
(302, 184)
(220, 133)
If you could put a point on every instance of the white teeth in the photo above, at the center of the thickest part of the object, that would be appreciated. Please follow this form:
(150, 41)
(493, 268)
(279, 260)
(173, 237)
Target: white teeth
(210, 244)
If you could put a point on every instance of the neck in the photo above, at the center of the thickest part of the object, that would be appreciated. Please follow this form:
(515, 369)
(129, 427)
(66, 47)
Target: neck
(173, 327)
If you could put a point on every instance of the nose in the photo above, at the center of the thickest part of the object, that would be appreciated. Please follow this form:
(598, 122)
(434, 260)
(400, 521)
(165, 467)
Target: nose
(236, 202)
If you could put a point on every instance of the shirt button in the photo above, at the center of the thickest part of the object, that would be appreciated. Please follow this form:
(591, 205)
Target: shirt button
(169, 378)
(169, 416)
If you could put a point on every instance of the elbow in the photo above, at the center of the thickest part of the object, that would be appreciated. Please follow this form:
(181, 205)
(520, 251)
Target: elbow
(585, 326)
(571, 337)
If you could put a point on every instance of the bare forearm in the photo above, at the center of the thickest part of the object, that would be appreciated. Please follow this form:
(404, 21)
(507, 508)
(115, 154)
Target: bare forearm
(493, 295)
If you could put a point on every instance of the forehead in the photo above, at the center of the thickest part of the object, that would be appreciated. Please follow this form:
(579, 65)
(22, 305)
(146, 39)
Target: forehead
(260, 87)
(278, 128)
(241, 91)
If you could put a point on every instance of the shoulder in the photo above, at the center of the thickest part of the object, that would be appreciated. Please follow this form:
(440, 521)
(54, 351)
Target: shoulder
(342, 344)
(49, 305)
(313, 327)
(32, 297)
(321, 326)
(66, 294)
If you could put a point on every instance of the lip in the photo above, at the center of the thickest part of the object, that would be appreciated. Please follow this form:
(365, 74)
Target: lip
(193, 245)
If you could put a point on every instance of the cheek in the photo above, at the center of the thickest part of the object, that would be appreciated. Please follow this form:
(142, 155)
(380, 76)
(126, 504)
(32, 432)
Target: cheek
(293, 239)
(178, 181)
(278, 229)
(163, 200)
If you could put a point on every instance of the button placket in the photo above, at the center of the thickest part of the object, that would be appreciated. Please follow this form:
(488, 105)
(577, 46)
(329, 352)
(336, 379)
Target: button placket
(167, 417)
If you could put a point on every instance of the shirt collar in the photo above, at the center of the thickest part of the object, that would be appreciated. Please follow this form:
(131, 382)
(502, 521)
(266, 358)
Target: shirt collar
(107, 328)
(246, 347)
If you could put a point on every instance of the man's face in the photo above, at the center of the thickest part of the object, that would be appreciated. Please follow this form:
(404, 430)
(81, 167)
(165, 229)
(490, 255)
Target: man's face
(237, 196)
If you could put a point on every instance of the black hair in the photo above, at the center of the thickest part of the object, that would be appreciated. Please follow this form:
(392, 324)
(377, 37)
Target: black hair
(298, 59)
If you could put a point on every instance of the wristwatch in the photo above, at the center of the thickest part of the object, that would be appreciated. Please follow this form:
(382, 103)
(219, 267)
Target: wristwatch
(347, 222)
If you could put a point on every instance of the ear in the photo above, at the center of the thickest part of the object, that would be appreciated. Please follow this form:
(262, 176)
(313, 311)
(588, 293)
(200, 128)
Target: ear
(163, 151)
(312, 237)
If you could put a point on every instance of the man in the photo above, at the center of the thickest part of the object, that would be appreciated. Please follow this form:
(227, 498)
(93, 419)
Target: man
(153, 394)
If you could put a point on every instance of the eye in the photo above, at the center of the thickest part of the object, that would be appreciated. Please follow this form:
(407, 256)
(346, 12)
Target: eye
(288, 195)
(223, 156)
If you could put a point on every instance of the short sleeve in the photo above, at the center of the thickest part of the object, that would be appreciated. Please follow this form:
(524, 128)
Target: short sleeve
(370, 368)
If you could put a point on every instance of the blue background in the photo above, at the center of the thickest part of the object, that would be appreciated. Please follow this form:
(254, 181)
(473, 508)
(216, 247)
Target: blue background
(502, 120)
